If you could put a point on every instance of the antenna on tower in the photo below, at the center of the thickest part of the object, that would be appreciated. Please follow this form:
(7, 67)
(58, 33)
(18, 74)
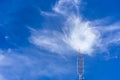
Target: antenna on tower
(80, 66)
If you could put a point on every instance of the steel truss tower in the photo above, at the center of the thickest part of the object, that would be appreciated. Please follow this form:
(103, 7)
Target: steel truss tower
(80, 66)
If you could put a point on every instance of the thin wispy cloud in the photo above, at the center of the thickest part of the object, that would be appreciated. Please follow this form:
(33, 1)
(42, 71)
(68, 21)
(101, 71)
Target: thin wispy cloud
(66, 6)
(48, 40)
(47, 14)
(77, 33)
(14, 65)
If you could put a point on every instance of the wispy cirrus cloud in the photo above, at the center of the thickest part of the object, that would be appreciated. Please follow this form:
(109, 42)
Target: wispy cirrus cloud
(52, 41)
(15, 65)
(47, 13)
(66, 6)
(76, 33)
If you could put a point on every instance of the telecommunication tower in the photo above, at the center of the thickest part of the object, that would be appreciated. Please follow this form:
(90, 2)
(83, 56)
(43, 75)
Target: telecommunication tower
(80, 66)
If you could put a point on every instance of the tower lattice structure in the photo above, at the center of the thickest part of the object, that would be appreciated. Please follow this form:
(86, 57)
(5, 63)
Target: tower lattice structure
(80, 66)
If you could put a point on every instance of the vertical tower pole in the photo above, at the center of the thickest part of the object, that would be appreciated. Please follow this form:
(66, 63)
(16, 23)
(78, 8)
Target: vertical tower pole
(80, 66)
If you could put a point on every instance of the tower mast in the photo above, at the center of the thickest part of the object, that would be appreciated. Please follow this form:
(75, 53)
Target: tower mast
(80, 66)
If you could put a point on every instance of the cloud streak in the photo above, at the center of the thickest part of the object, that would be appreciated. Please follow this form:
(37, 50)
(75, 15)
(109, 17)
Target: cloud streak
(48, 40)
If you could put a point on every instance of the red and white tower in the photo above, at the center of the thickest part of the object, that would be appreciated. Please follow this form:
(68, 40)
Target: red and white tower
(80, 66)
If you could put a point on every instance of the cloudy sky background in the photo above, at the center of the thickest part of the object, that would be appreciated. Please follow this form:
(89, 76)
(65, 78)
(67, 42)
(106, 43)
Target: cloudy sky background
(39, 39)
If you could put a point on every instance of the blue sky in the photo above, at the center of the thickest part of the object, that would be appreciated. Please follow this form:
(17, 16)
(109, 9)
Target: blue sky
(40, 39)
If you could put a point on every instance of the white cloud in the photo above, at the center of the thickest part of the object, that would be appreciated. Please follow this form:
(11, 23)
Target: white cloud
(80, 35)
(77, 35)
(15, 65)
(66, 6)
(87, 36)
(110, 34)
(48, 13)
(51, 40)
